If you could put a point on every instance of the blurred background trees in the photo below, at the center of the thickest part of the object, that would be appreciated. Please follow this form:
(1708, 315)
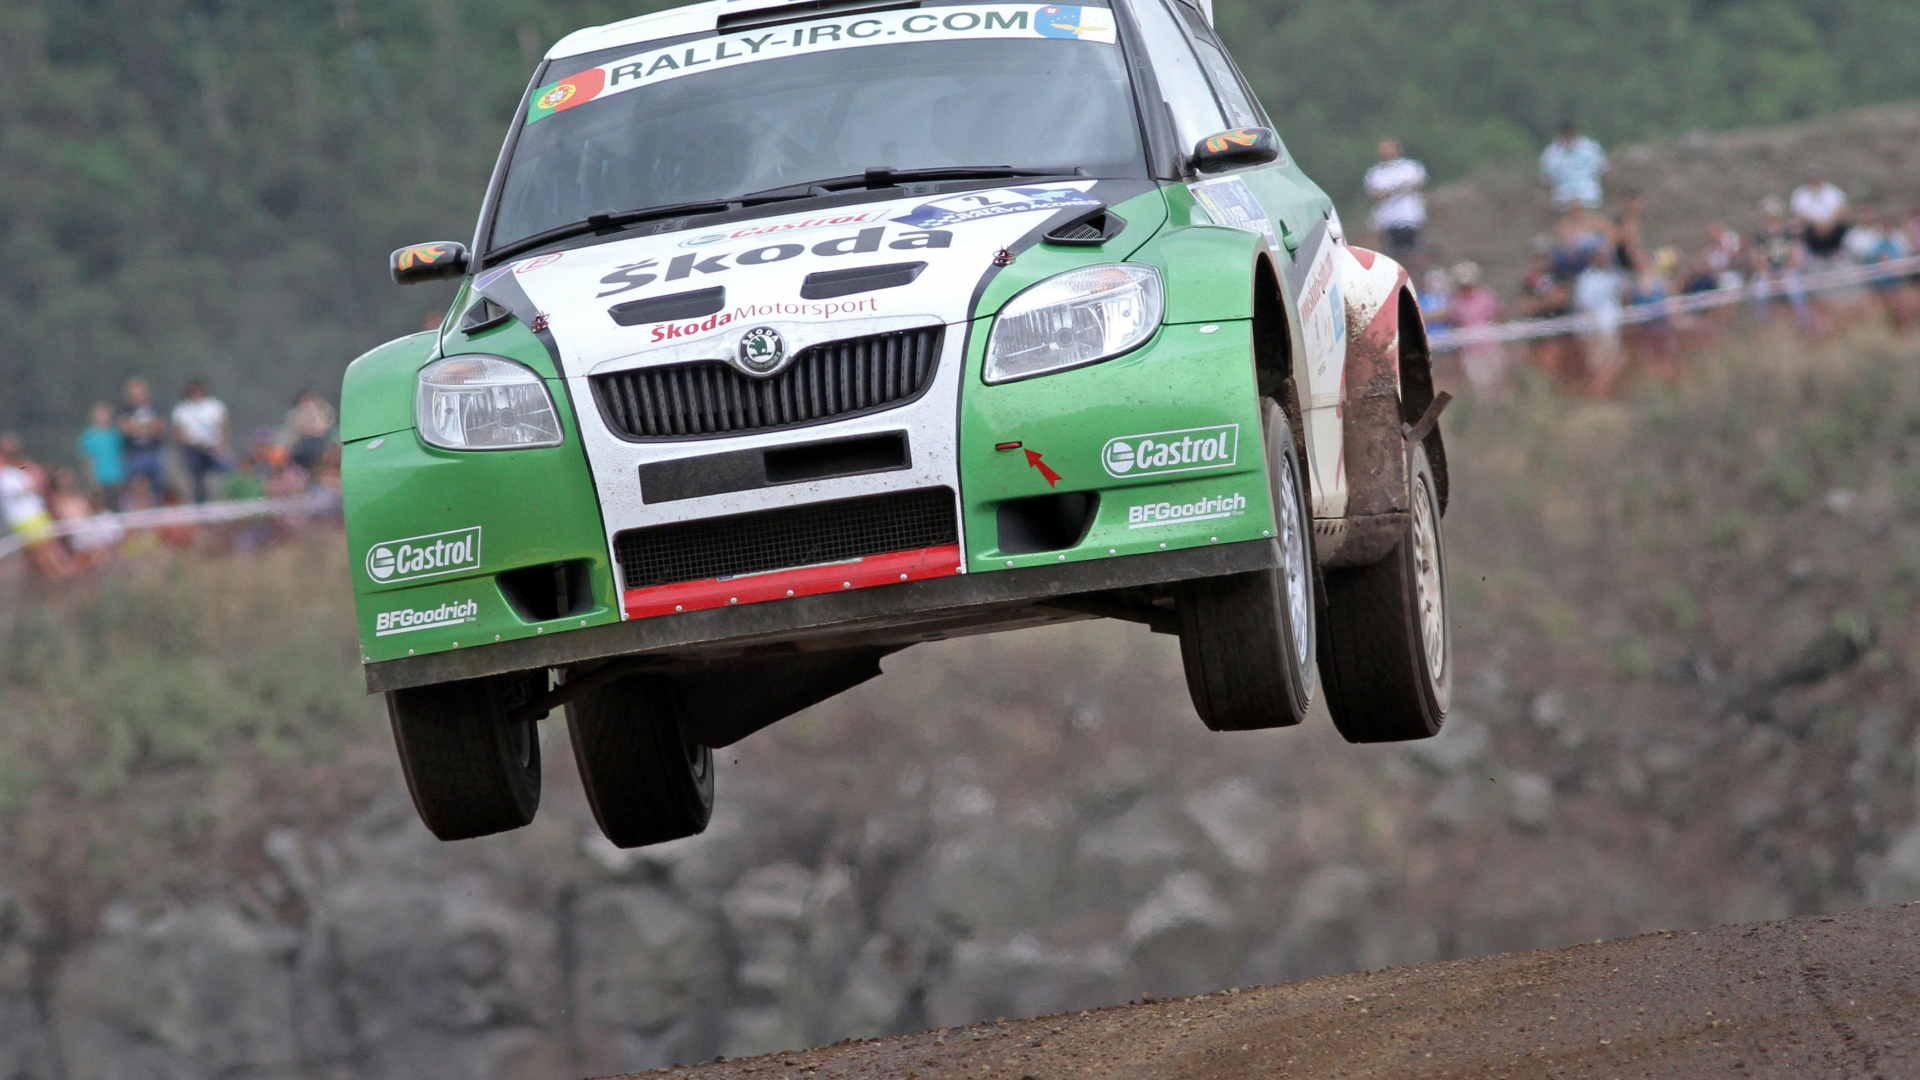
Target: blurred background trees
(211, 186)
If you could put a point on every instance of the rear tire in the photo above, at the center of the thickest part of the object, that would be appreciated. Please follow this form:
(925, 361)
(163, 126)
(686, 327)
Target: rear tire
(1387, 653)
(1247, 641)
(471, 771)
(646, 779)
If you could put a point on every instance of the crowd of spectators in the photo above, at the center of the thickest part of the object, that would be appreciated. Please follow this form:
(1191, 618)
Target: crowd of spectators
(134, 457)
(1600, 266)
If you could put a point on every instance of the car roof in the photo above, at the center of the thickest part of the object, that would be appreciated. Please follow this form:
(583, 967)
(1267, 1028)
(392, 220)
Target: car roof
(692, 19)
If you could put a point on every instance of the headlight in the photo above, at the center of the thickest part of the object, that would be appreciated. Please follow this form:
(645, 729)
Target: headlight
(483, 403)
(1074, 318)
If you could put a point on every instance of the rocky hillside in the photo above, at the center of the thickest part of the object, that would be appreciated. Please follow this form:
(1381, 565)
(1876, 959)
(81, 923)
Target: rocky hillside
(1688, 652)
(1873, 154)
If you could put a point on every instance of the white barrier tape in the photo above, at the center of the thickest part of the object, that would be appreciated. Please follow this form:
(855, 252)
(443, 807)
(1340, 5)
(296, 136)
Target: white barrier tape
(1844, 277)
(318, 501)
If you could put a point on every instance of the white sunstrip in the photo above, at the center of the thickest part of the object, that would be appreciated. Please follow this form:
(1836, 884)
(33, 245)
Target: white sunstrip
(979, 21)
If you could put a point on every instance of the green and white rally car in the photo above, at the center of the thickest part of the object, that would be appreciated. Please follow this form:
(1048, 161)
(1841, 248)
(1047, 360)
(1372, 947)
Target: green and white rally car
(796, 333)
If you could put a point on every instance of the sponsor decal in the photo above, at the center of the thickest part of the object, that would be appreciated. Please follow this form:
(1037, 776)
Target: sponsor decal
(746, 232)
(820, 310)
(528, 266)
(423, 255)
(762, 351)
(1226, 140)
(424, 556)
(639, 275)
(974, 206)
(973, 21)
(569, 93)
(1153, 515)
(1228, 202)
(1046, 473)
(408, 620)
(1072, 22)
(1187, 450)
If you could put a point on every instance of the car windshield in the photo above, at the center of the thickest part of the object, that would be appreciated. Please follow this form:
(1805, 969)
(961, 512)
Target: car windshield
(721, 116)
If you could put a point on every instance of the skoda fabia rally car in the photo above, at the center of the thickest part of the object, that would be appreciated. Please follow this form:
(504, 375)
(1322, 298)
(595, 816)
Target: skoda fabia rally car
(794, 334)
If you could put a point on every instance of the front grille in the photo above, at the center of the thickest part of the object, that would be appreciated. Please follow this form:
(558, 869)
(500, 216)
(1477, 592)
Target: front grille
(824, 382)
(783, 539)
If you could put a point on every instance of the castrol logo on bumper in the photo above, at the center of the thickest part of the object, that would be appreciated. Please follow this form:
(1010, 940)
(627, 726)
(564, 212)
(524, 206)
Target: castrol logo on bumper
(424, 556)
(1187, 450)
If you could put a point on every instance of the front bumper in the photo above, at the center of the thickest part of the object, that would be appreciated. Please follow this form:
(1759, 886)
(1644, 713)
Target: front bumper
(899, 614)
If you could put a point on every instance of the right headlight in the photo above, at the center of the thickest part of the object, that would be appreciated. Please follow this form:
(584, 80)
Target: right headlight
(1076, 318)
(484, 403)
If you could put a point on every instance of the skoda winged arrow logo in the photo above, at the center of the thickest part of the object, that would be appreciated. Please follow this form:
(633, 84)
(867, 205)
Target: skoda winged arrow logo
(762, 351)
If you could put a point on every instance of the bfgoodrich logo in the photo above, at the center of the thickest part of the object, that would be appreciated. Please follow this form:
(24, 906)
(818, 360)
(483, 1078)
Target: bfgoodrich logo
(1172, 513)
(407, 620)
(425, 556)
(1172, 451)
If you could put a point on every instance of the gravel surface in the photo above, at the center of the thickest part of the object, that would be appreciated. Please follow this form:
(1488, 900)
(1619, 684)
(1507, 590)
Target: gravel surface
(1833, 995)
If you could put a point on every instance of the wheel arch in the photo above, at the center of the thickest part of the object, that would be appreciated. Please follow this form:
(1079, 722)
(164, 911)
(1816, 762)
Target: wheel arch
(1417, 390)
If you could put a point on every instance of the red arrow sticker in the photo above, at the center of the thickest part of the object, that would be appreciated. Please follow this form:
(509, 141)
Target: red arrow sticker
(1047, 474)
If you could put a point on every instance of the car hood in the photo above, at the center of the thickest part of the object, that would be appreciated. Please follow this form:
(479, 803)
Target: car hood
(731, 292)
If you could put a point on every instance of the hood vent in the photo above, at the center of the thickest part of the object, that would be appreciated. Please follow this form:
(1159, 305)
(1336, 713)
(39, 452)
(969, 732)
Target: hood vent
(1091, 229)
(827, 284)
(659, 309)
(484, 315)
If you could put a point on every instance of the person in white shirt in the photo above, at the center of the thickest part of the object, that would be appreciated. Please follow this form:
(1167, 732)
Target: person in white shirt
(1399, 209)
(200, 427)
(1820, 209)
(1597, 293)
(1571, 167)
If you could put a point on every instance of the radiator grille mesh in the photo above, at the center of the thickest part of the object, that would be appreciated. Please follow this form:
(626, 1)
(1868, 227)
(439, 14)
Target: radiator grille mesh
(824, 382)
(786, 538)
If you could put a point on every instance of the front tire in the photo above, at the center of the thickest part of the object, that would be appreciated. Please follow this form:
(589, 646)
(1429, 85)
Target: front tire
(647, 780)
(1247, 641)
(471, 771)
(1387, 654)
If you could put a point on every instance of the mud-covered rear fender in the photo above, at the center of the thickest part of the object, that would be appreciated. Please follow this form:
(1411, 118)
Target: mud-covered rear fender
(1387, 383)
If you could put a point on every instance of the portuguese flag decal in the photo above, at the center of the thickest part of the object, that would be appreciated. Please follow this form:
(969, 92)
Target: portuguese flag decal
(567, 93)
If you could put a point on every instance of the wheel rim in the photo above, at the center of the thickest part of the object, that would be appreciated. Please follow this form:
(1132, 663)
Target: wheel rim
(1429, 588)
(1293, 560)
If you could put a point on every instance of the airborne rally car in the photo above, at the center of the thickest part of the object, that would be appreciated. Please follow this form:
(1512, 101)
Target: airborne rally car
(794, 334)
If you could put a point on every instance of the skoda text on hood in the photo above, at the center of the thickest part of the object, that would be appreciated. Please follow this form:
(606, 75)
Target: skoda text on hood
(748, 280)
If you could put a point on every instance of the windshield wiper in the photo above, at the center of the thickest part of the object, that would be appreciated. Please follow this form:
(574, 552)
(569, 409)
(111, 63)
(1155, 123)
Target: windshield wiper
(884, 176)
(611, 219)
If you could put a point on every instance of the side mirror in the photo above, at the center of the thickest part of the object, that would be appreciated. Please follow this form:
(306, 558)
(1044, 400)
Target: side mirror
(443, 261)
(1235, 149)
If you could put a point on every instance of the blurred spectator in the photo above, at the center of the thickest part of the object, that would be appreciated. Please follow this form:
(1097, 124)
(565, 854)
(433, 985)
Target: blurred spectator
(1543, 294)
(1571, 167)
(1473, 304)
(1629, 243)
(145, 433)
(1776, 263)
(103, 451)
(1580, 234)
(12, 450)
(309, 429)
(90, 537)
(1597, 292)
(1820, 209)
(200, 427)
(25, 509)
(1872, 241)
(1399, 210)
(1436, 299)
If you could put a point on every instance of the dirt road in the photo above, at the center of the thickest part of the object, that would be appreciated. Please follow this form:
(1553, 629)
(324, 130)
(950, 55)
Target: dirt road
(1832, 996)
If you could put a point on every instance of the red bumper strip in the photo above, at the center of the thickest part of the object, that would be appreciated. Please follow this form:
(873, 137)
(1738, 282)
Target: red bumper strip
(889, 569)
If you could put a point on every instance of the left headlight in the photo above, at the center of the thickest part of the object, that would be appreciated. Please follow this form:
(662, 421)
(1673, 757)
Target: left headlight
(484, 403)
(1079, 317)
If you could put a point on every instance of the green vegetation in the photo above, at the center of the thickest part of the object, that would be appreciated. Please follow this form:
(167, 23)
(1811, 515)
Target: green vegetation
(212, 186)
